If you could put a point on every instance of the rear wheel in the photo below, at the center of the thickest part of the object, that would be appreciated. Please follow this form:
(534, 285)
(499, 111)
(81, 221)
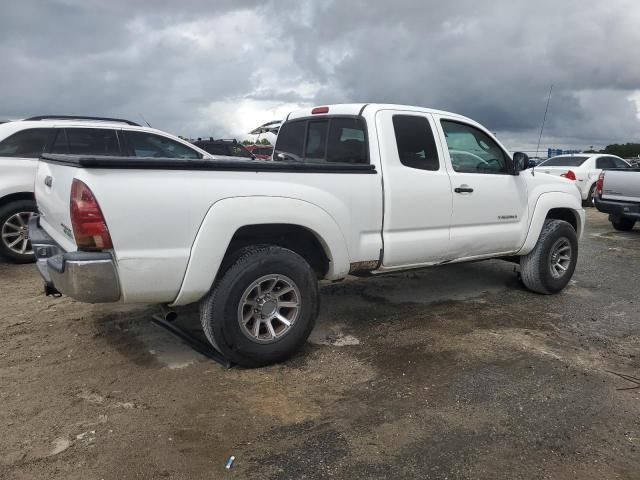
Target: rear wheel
(263, 307)
(15, 244)
(590, 201)
(550, 265)
(623, 224)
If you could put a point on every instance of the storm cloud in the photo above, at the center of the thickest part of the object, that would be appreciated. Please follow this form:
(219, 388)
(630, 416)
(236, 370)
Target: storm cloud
(219, 68)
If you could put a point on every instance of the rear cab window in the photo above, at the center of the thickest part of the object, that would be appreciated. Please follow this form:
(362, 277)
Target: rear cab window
(328, 139)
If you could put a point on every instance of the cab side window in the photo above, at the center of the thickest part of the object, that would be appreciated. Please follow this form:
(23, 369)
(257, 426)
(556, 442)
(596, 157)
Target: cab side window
(473, 151)
(144, 144)
(27, 143)
(415, 142)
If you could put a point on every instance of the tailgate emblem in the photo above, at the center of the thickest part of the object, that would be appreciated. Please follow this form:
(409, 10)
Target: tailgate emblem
(48, 180)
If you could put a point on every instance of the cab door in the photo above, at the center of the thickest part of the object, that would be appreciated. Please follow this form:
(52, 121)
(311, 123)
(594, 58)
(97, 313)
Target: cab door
(417, 191)
(490, 203)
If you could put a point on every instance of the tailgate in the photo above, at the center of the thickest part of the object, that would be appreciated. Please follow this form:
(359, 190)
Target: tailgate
(621, 185)
(53, 190)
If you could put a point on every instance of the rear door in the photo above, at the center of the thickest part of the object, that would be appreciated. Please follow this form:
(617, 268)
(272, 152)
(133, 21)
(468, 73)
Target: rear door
(490, 211)
(19, 154)
(417, 190)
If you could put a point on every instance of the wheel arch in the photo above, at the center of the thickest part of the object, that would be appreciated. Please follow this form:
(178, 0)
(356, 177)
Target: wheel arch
(13, 197)
(553, 205)
(233, 223)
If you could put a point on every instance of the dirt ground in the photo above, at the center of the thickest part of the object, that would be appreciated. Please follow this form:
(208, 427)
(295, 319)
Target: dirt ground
(452, 372)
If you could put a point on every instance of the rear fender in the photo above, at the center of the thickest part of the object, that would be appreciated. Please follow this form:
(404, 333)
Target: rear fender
(227, 216)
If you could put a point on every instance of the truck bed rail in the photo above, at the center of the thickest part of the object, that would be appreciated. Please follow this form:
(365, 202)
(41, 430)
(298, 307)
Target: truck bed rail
(154, 163)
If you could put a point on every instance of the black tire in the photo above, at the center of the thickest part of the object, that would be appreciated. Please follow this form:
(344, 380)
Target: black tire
(590, 202)
(623, 224)
(6, 213)
(536, 268)
(219, 309)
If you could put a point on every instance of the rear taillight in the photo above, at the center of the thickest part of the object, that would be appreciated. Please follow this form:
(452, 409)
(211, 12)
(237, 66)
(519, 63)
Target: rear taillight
(570, 175)
(600, 183)
(89, 228)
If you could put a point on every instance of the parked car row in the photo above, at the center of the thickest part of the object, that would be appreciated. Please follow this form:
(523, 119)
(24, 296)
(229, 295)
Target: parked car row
(583, 169)
(361, 189)
(23, 142)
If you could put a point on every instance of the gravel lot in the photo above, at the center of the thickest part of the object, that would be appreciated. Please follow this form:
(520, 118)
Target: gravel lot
(452, 372)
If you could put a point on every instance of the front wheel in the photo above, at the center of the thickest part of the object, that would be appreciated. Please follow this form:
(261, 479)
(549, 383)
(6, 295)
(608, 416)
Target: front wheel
(263, 307)
(623, 224)
(550, 265)
(14, 232)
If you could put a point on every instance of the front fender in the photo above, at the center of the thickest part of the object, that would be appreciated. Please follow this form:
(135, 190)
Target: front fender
(545, 203)
(227, 216)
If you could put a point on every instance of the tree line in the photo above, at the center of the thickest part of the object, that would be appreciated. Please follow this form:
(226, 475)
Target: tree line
(626, 150)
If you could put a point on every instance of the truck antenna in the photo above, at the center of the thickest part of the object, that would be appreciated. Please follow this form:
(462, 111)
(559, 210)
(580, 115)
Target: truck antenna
(544, 119)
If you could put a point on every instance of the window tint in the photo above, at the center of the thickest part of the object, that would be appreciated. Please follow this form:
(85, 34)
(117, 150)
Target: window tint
(92, 141)
(572, 161)
(415, 141)
(473, 151)
(60, 144)
(290, 140)
(605, 162)
(26, 143)
(336, 139)
(347, 142)
(316, 144)
(146, 144)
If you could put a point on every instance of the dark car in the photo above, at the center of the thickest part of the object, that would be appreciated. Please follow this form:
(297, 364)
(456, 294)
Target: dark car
(230, 148)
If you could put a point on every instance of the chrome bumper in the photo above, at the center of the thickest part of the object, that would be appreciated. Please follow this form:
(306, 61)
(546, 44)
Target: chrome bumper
(89, 277)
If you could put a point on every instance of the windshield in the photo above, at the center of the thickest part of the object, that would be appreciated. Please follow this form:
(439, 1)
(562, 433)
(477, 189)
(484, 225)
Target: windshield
(572, 161)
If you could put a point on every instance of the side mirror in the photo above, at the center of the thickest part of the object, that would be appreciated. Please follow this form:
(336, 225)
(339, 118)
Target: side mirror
(520, 161)
(532, 163)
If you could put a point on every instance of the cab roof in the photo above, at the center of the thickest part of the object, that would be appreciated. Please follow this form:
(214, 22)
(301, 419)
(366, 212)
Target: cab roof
(361, 108)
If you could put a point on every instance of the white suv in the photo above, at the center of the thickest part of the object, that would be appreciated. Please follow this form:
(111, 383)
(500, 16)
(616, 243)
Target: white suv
(23, 141)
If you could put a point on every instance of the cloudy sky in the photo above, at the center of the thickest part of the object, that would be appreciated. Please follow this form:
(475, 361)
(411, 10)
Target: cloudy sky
(221, 67)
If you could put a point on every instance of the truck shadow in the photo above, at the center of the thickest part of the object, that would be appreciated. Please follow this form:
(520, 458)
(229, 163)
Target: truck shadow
(345, 307)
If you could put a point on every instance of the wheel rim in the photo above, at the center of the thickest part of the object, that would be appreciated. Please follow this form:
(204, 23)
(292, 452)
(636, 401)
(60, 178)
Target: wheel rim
(269, 308)
(15, 233)
(560, 257)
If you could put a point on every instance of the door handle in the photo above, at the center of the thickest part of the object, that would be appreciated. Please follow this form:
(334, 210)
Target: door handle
(463, 189)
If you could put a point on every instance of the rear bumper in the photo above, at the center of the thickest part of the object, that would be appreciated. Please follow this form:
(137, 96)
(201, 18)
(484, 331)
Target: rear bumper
(618, 209)
(89, 277)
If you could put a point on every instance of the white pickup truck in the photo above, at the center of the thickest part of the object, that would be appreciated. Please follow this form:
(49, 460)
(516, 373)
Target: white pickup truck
(618, 194)
(353, 189)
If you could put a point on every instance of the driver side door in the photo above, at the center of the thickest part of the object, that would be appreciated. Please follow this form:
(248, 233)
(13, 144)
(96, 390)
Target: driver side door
(489, 208)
